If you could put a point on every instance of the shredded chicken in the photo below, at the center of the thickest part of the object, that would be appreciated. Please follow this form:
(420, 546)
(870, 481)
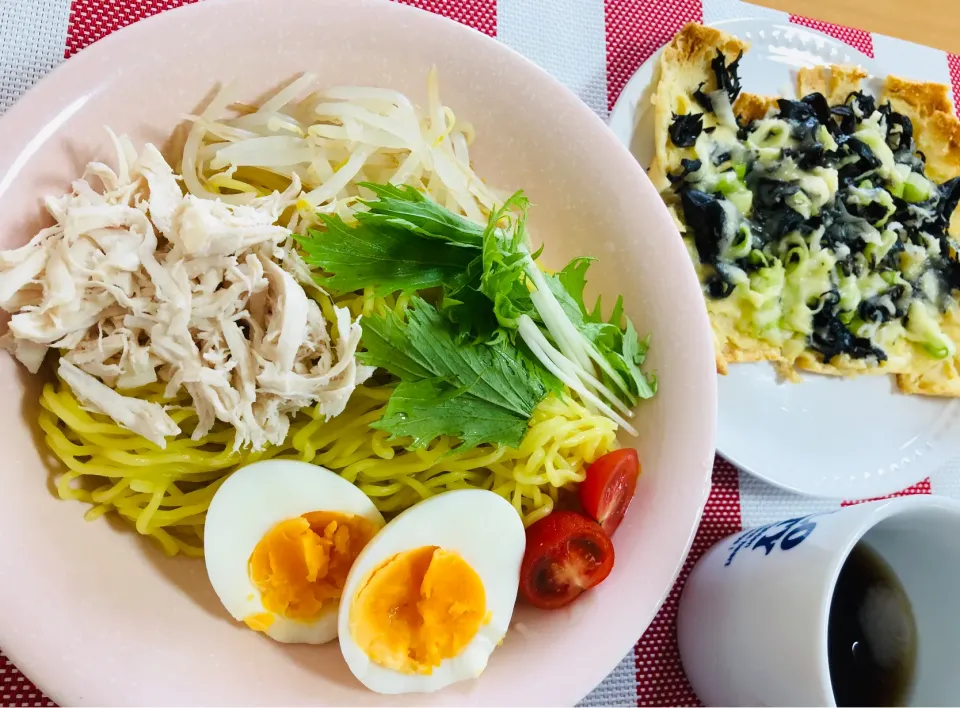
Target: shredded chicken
(137, 283)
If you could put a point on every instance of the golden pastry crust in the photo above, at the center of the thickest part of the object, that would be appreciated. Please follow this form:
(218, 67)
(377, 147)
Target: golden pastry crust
(729, 352)
(750, 106)
(922, 99)
(836, 81)
(842, 365)
(939, 139)
(695, 45)
(941, 378)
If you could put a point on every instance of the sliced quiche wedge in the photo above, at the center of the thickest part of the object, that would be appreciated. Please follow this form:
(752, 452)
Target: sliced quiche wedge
(820, 228)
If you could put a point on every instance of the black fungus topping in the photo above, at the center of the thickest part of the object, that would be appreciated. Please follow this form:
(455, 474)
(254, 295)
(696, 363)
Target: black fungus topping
(772, 216)
(885, 110)
(809, 151)
(848, 122)
(948, 271)
(891, 260)
(821, 109)
(831, 337)
(949, 193)
(703, 99)
(858, 169)
(717, 287)
(878, 308)
(810, 156)
(844, 228)
(706, 217)
(687, 167)
(798, 111)
(685, 129)
(727, 78)
(904, 214)
(900, 134)
(866, 103)
(774, 225)
(720, 157)
(772, 194)
(859, 148)
(841, 228)
(873, 212)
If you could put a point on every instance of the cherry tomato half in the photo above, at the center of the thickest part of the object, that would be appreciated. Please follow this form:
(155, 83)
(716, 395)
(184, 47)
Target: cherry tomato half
(609, 487)
(566, 554)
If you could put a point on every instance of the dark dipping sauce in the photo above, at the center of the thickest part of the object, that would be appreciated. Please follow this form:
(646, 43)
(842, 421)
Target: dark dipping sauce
(871, 635)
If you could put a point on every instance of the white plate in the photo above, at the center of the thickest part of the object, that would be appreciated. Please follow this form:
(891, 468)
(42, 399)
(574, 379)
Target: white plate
(825, 437)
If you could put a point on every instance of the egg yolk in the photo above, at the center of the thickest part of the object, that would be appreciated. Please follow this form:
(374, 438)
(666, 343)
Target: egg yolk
(418, 608)
(301, 564)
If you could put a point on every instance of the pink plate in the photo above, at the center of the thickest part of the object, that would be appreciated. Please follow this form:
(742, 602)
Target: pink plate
(96, 615)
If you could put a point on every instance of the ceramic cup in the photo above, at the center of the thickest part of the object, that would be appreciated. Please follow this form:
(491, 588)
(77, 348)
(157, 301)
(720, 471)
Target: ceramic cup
(753, 618)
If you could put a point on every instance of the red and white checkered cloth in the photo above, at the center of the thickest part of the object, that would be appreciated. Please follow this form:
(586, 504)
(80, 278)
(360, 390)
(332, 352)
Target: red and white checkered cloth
(593, 46)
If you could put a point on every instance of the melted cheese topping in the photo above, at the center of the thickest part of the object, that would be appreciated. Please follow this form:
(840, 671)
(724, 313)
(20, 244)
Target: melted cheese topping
(854, 275)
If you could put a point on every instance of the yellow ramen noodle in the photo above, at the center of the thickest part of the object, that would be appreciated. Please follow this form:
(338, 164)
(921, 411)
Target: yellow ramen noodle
(165, 493)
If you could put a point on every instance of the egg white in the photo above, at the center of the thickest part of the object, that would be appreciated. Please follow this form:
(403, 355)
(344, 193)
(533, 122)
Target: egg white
(488, 534)
(252, 501)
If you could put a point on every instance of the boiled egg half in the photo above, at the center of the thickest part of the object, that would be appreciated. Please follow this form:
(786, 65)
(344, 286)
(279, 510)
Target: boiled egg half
(431, 596)
(279, 541)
